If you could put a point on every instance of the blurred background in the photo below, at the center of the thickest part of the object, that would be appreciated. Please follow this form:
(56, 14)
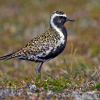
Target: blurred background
(20, 20)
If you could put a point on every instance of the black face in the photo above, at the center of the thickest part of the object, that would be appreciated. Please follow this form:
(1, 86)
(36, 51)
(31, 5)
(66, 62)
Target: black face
(59, 21)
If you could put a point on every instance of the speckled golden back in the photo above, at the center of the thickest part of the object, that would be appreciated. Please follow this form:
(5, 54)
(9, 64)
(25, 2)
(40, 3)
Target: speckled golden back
(40, 44)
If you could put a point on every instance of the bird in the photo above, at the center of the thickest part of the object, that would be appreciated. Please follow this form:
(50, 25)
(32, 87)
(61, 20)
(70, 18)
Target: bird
(45, 46)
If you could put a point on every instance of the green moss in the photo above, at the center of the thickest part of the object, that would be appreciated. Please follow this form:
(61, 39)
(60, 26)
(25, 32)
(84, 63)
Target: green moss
(97, 87)
(56, 85)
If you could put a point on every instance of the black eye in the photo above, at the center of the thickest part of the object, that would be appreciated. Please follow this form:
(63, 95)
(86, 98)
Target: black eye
(63, 19)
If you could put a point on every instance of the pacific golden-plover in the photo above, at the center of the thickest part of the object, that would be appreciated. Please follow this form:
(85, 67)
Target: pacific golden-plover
(45, 46)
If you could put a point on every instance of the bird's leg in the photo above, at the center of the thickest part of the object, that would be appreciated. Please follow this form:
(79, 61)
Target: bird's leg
(38, 68)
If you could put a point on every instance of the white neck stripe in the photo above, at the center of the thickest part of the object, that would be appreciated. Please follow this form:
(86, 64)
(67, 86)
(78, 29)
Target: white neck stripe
(56, 28)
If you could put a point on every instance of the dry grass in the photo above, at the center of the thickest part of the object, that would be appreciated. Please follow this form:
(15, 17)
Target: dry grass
(79, 65)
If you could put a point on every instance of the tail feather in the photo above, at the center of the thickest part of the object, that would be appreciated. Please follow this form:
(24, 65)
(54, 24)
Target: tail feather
(16, 54)
(7, 57)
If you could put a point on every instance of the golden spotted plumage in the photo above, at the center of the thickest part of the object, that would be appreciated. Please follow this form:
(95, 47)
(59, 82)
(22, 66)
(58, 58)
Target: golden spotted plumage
(39, 44)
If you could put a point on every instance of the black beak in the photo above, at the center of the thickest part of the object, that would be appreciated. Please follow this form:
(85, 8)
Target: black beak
(72, 20)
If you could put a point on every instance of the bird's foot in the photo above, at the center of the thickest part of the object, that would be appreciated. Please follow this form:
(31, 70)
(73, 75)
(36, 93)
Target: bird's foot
(38, 73)
(38, 69)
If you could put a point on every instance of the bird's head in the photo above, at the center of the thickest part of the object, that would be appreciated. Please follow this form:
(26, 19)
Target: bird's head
(58, 19)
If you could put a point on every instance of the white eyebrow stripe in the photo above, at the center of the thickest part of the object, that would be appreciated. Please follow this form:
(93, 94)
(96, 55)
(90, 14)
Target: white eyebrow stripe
(63, 15)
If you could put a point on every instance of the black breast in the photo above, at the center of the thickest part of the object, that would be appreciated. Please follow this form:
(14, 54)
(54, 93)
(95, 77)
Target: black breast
(56, 51)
